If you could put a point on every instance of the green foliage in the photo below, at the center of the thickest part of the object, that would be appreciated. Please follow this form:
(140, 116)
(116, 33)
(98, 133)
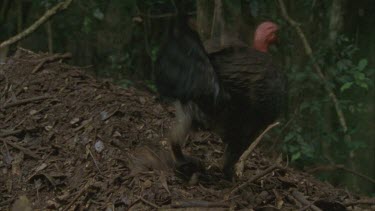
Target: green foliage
(351, 74)
(315, 135)
(151, 85)
(124, 83)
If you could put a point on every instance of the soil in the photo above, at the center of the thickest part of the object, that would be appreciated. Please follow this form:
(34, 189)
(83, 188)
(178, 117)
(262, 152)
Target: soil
(71, 142)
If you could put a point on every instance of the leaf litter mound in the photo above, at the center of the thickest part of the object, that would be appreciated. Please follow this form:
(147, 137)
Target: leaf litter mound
(71, 142)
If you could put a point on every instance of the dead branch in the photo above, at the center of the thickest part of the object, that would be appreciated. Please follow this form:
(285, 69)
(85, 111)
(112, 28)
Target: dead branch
(149, 203)
(47, 15)
(299, 197)
(241, 162)
(316, 66)
(217, 20)
(253, 179)
(51, 59)
(363, 201)
(93, 158)
(20, 102)
(23, 149)
(340, 167)
(9, 133)
(198, 204)
(79, 194)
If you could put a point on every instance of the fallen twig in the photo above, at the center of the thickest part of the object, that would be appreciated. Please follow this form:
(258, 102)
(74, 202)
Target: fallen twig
(24, 101)
(341, 167)
(47, 15)
(241, 162)
(111, 114)
(363, 201)
(253, 179)
(299, 197)
(149, 203)
(93, 158)
(198, 203)
(306, 206)
(51, 59)
(79, 194)
(9, 133)
(84, 123)
(6, 202)
(24, 150)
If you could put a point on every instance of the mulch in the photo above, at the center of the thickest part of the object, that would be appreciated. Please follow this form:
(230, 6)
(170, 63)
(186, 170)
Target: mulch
(69, 141)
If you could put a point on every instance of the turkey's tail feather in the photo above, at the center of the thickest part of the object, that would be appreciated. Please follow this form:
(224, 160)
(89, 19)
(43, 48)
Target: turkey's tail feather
(183, 69)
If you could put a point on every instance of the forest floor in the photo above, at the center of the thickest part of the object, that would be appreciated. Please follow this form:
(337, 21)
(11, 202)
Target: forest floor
(71, 142)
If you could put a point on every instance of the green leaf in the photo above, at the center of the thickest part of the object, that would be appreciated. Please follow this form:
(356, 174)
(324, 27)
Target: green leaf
(363, 85)
(289, 136)
(346, 86)
(98, 14)
(296, 156)
(343, 64)
(362, 64)
(359, 76)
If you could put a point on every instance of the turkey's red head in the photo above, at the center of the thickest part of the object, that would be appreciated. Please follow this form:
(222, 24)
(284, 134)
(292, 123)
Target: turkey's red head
(265, 34)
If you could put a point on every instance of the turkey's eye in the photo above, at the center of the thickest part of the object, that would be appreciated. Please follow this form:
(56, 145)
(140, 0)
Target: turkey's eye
(272, 38)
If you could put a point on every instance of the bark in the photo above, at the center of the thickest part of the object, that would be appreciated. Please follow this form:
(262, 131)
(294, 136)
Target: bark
(218, 25)
(50, 36)
(204, 18)
(336, 20)
(3, 54)
(336, 23)
(19, 19)
(4, 10)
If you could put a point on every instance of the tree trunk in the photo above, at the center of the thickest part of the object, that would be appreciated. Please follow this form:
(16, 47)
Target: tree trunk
(218, 25)
(204, 18)
(3, 54)
(4, 11)
(336, 20)
(336, 23)
(19, 19)
(49, 36)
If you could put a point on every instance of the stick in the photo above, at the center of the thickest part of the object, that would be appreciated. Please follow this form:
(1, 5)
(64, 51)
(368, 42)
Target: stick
(149, 203)
(316, 66)
(241, 162)
(47, 15)
(306, 207)
(363, 201)
(341, 167)
(253, 179)
(299, 196)
(83, 190)
(93, 158)
(51, 59)
(24, 150)
(24, 101)
(9, 133)
(198, 203)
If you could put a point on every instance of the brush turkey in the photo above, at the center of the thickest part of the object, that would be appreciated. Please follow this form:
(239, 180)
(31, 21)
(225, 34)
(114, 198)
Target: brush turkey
(235, 91)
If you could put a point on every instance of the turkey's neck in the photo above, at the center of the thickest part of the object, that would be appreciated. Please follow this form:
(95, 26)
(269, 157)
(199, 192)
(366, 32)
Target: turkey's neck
(260, 45)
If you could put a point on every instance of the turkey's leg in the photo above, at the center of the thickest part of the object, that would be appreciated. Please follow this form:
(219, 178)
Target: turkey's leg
(179, 132)
(237, 142)
(184, 164)
(232, 154)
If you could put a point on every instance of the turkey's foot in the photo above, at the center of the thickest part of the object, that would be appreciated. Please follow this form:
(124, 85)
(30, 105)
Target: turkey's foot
(189, 166)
